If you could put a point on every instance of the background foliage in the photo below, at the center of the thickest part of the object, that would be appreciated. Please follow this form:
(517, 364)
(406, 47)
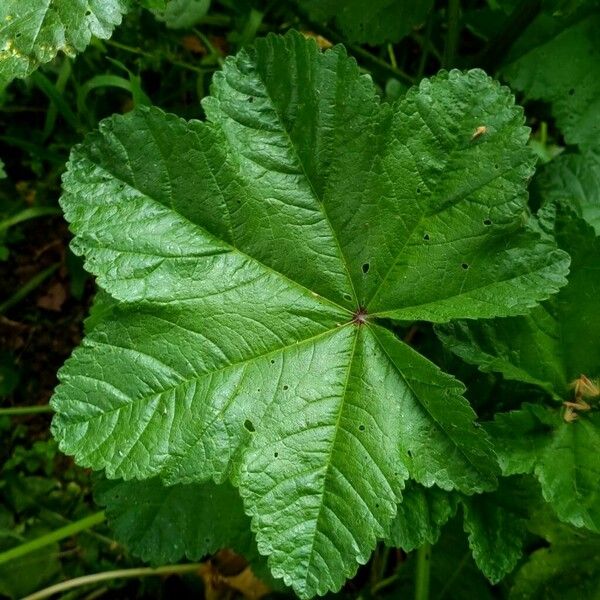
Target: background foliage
(65, 66)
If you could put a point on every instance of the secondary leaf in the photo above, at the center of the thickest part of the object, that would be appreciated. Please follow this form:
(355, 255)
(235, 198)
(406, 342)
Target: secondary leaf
(574, 180)
(162, 524)
(252, 257)
(558, 340)
(496, 524)
(33, 32)
(420, 518)
(384, 21)
(561, 455)
(568, 570)
(565, 71)
(2, 171)
(551, 347)
(182, 14)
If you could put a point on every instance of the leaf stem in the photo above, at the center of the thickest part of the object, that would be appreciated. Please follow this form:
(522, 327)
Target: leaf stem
(423, 572)
(452, 34)
(24, 410)
(375, 61)
(426, 47)
(117, 574)
(497, 48)
(392, 55)
(140, 52)
(53, 536)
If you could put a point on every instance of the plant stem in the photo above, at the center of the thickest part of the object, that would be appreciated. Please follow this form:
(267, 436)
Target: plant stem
(426, 45)
(497, 48)
(31, 285)
(53, 536)
(392, 55)
(108, 575)
(423, 571)
(24, 410)
(452, 34)
(140, 52)
(376, 62)
(382, 64)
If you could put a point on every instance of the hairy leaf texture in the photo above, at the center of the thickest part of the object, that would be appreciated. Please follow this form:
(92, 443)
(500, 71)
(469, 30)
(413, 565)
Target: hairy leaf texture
(256, 259)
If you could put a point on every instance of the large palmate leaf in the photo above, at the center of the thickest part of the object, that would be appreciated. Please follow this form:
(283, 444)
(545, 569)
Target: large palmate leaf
(563, 69)
(384, 21)
(33, 32)
(551, 347)
(252, 257)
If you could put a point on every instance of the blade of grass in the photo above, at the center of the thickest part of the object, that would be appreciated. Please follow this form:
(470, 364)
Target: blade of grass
(27, 214)
(25, 290)
(109, 575)
(140, 97)
(54, 536)
(55, 97)
(15, 411)
(61, 83)
(102, 81)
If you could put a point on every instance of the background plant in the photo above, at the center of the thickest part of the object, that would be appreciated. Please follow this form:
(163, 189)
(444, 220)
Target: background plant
(165, 54)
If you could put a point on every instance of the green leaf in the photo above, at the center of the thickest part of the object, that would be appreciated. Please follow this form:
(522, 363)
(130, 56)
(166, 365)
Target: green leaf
(561, 455)
(564, 71)
(567, 570)
(496, 524)
(384, 21)
(420, 518)
(163, 525)
(574, 180)
(453, 572)
(558, 340)
(2, 171)
(154, 4)
(252, 257)
(183, 14)
(33, 32)
(552, 346)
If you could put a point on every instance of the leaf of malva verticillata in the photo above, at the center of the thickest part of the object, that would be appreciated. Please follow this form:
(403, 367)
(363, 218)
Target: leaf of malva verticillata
(569, 569)
(33, 32)
(256, 259)
(496, 524)
(384, 21)
(421, 515)
(574, 180)
(162, 524)
(562, 66)
(551, 347)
